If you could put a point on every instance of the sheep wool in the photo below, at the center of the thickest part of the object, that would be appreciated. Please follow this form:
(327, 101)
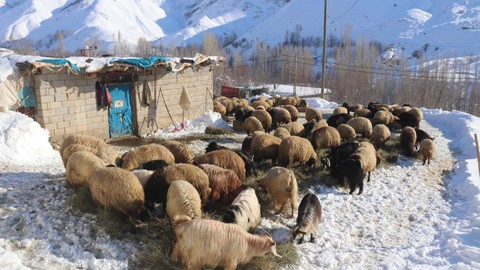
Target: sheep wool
(244, 210)
(190, 173)
(210, 243)
(325, 137)
(367, 155)
(427, 149)
(182, 152)
(142, 154)
(362, 125)
(313, 114)
(295, 128)
(281, 133)
(226, 159)
(143, 175)
(265, 146)
(80, 166)
(339, 110)
(296, 149)
(85, 140)
(264, 117)
(407, 140)
(252, 124)
(119, 189)
(347, 133)
(292, 110)
(183, 199)
(224, 183)
(380, 134)
(282, 186)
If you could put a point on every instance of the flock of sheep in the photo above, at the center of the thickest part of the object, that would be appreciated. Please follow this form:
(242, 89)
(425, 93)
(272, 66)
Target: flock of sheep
(169, 174)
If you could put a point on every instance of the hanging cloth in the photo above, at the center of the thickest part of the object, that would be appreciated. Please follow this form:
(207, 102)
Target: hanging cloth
(98, 95)
(146, 95)
(185, 99)
(107, 98)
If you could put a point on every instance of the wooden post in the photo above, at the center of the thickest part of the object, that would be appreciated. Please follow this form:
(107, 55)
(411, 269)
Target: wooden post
(478, 151)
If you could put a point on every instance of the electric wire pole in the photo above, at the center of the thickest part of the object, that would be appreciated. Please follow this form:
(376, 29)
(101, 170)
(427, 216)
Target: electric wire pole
(324, 58)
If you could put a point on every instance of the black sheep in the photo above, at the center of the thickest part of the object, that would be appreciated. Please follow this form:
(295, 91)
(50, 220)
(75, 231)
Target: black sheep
(422, 135)
(340, 153)
(351, 170)
(154, 165)
(338, 119)
(408, 119)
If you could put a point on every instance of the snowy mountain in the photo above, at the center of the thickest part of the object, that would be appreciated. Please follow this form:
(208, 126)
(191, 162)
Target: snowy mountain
(445, 25)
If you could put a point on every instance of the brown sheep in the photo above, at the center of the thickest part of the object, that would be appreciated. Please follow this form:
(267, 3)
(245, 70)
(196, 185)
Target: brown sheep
(281, 133)
(265, 118)
(362, 125)
(292, 110)
(220, 108)
(265, 146)
(252, 124)
(407, 140)
(347, 133)
(182, 152)
(313, 114)
(85, 140)
(142, 154)
(295, 128)
(107, 154)
(224, 183)
(325, 137)
(117, 188)
(296, 149)
(380, 134)
(427, 149)
(282, 186)
(226, 159)
(280, 116)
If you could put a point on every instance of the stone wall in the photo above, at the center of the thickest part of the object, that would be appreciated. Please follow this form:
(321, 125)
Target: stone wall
(66, 102)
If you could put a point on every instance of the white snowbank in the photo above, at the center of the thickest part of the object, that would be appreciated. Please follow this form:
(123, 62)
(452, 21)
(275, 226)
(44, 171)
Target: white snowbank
(23, 140)
(419, 15)
(320, 103)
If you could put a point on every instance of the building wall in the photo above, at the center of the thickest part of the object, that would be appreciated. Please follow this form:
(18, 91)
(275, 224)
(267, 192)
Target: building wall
(199, 86)
(66, 102)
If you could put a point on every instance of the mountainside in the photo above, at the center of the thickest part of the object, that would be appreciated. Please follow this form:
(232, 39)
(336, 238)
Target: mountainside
(445, 25)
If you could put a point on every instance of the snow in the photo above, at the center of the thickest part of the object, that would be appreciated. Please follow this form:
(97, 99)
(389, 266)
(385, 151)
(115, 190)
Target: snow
(449, 25)
(410, 216)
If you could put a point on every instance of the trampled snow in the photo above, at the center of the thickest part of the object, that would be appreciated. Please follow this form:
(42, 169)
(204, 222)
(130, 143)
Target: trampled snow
(410, 216)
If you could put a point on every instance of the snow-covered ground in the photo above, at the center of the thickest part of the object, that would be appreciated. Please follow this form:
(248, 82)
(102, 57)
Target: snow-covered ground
(410, 216)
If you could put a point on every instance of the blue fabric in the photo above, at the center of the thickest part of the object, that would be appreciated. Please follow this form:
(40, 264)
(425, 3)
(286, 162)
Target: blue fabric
(141, 62)
(62, 62)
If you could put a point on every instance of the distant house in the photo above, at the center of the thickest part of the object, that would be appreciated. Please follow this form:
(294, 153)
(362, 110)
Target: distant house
(111, 97)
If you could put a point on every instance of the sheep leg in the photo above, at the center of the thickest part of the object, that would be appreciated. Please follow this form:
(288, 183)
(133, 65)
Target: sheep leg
(282, 207)
(312, 238)
(133, 227)
(300, 241)
(428, 161)
(424, 160)
(293, 208)
(368, 177)
(353, 186)
(361, 187)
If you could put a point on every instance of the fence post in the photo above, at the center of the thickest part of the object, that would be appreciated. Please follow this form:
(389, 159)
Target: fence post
(477, 150)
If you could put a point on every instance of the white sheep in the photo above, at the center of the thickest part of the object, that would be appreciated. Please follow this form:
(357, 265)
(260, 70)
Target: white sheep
(143, 175)
(80, 166)
(244, 210)
(183, 199)
(210, 243)
(282, 186)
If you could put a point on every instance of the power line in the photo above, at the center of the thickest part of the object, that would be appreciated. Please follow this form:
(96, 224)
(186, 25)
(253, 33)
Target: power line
(348, 10)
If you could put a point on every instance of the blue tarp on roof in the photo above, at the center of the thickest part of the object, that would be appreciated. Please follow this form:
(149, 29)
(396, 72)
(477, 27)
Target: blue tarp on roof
(62, 62)
(141, 62)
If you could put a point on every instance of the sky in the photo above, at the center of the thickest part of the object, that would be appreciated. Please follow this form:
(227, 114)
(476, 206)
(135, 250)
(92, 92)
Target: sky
(410, 216)
(449, 27)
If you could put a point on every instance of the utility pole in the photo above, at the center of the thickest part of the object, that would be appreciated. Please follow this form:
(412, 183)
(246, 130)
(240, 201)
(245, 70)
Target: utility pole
(324, 59)
(295, 77)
